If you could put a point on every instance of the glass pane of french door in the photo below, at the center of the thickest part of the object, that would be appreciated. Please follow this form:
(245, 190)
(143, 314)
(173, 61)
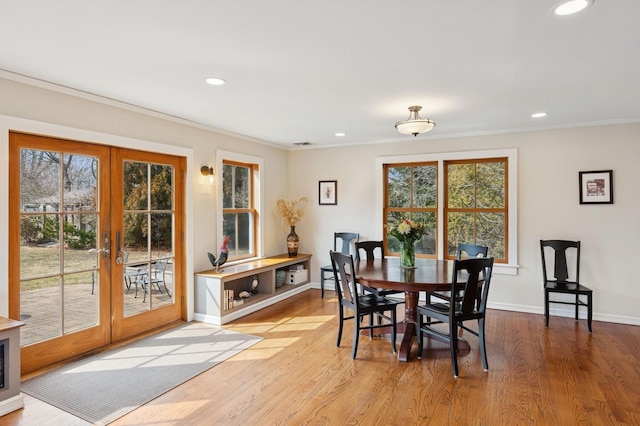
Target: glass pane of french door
(57, 215)
(58, 227)
(146, 190)
(148, 236)
(84, 269)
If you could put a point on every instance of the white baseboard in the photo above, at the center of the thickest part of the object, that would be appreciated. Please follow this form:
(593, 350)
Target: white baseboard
(11, 404)
(554, 311)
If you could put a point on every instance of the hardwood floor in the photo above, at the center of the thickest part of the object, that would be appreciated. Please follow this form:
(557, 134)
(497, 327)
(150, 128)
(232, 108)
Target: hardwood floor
(562, 375)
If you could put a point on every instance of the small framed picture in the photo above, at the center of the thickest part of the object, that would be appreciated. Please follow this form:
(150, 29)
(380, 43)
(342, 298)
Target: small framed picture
(596, 187)
(328, 192)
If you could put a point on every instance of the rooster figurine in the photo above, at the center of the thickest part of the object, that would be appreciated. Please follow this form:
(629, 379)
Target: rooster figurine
(224, 254)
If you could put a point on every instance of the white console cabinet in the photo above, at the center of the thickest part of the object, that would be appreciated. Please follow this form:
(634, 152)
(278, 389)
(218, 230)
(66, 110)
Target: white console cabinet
(279, 277)
(10, 397)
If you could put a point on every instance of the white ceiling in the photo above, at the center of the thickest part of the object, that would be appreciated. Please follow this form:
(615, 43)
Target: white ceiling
(301, 71)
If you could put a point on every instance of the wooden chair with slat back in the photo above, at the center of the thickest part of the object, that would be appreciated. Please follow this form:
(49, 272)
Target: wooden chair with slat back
(469, 305)
(565, 278)
(464, 251)
(345, 240)
(362, 306)
(370, 248)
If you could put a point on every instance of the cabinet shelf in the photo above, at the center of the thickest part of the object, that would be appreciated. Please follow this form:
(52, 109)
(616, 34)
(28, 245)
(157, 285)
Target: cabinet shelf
(214, 290)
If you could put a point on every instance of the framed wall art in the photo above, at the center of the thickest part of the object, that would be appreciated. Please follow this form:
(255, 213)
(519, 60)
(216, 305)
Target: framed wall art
(596, 187)
(328, 192)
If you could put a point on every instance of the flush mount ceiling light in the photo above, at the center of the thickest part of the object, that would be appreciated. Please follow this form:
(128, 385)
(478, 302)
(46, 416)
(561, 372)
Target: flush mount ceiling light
(572, 6)
(215, 81)
(538, 114)
(414, 124)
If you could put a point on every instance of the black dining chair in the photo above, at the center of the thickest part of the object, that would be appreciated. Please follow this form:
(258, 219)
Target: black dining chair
(464, 251)
(370, 248)
(470, 280)
(344, 240)
(368, 305)
(560, 281)
(467, 250)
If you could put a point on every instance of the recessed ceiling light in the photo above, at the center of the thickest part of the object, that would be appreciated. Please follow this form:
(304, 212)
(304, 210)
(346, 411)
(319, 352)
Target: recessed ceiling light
(340, 134)
(539, 115)
(215, 81)
(572, 6)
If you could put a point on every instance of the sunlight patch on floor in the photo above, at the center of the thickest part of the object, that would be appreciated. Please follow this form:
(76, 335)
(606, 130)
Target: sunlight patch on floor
(176, 411)
(270, 345)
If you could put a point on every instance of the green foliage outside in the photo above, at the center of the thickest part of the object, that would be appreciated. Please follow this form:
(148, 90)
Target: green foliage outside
(473, 186)
(148, 205)
(43, 229)
(236, 194)
(476, 199)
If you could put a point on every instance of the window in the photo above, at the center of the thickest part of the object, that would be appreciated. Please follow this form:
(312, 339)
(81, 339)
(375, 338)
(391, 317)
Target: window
(461, 197)
(239, 198)
(412, 193)
(476, 205)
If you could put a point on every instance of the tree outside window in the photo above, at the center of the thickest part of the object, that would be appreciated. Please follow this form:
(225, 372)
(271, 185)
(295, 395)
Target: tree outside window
(412, 193)
(476, 205)
(239, 214)
(474, 202)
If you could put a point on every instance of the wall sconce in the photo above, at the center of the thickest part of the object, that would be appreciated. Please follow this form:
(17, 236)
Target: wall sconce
(207, 171)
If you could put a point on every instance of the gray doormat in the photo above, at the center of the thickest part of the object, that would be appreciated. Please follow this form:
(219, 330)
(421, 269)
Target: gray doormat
(103, 387)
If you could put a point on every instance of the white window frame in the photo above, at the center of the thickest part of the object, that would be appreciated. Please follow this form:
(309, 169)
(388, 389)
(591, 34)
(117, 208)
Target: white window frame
(511, 154)
(258, 190)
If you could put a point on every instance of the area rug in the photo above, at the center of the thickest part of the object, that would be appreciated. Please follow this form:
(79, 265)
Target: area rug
(103, 387)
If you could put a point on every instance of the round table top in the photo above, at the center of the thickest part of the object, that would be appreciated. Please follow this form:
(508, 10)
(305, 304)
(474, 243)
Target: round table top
(428, 275)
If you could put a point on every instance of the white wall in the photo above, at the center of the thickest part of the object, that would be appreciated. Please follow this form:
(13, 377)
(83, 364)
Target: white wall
(548, 166)
(548, 207)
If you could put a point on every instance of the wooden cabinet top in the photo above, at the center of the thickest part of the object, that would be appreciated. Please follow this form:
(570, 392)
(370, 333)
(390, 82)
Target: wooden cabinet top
(256, 265)
(8, 324)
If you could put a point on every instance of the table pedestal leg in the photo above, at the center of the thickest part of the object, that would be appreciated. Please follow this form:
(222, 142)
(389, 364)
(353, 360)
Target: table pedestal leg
(411, 328)
(405, 346)
(410, 317)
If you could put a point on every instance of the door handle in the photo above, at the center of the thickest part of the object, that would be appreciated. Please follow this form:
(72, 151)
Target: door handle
(119, 250)
(105, 246)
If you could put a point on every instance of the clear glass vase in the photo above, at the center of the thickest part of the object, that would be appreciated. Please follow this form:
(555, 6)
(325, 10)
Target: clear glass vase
(408, 255)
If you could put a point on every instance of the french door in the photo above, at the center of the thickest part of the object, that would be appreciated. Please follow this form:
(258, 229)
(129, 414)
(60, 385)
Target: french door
(93, 253)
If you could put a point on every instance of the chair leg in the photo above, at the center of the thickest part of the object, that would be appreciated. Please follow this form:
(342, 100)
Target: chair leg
(394, 331)
(419, 325)
(546, 308)
(453, 337)
(340, 326)
(356, 335)
(166, 289)
(577, 305)
(322, 284)
(589, 311)
(371, 329)
(483, 346)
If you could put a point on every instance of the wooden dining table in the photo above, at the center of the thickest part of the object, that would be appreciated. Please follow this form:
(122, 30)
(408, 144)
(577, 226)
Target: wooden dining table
(428, 275)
